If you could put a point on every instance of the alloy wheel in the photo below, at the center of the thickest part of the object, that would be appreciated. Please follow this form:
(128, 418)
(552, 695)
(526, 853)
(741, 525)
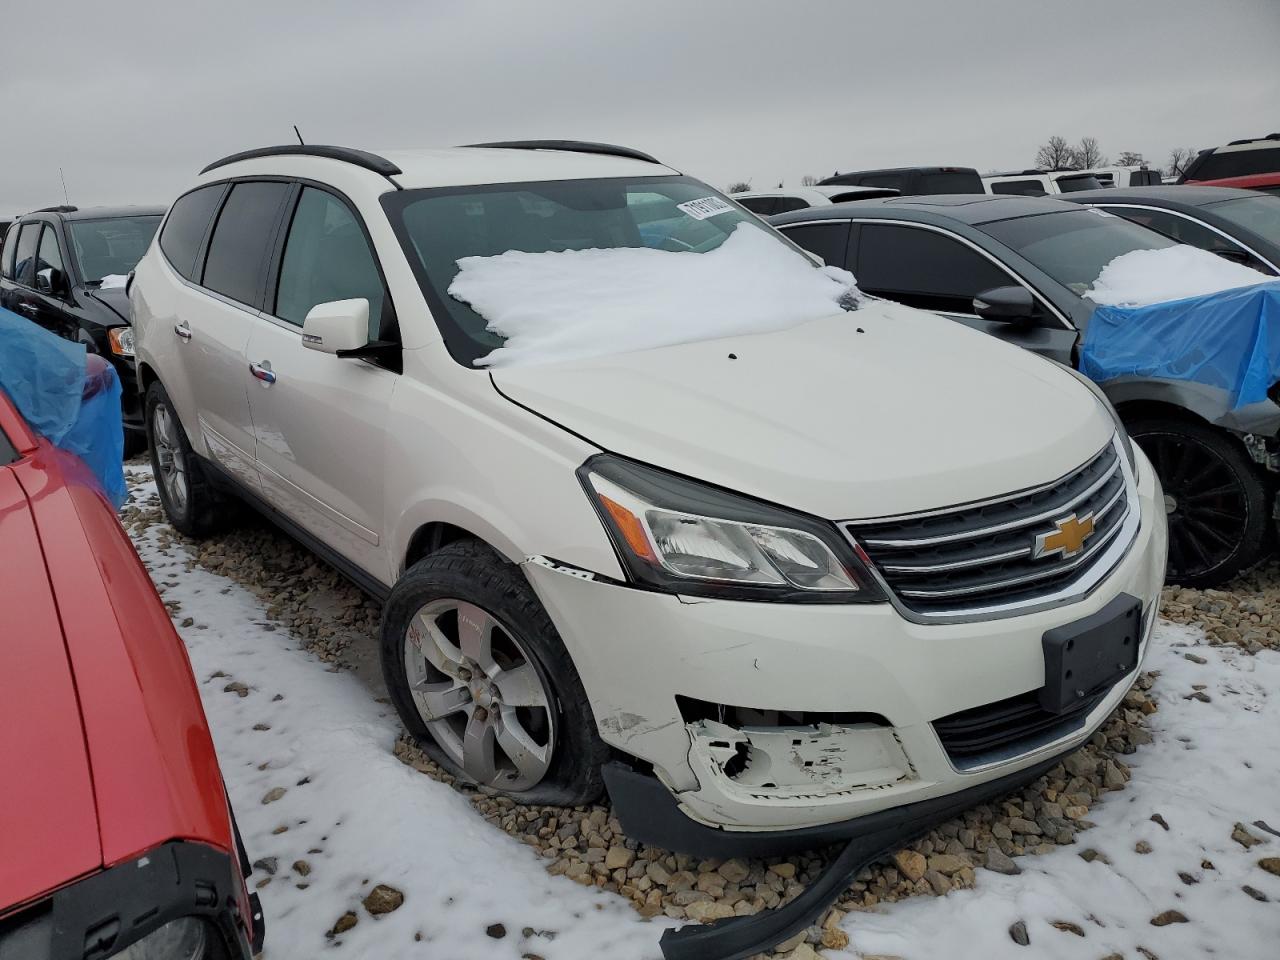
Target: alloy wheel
(1205, 503)
(480, 695)
(169, 458)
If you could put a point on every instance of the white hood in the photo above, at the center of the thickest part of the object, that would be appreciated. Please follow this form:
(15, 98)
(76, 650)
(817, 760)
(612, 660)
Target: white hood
(876, 412)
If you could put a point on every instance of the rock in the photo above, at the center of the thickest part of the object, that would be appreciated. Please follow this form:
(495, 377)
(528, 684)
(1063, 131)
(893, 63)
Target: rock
(1018, 933)
(1194, 658)
(1113, 778)
(1080, 764)
(1024, 826)
(1142, 847)
(947, 864)
(237, 688)
(619, 858)
(1168, 917)
(343, 924)
(1187, 878)
(302, 868)
(1091, 855)
(1156, 818)
(383, 899)
(912, 864)
(704, 911)
(803, 952)
(1243, 837)
(274, 794)
(786, 870)
(940, 884)
(833, 938)
(658, 874)
(1066, 926)
(792, 943)
(496, 930)
(1271, 865)
(734, 871)
(1255, 893)
(1000, 863)
(267, 865)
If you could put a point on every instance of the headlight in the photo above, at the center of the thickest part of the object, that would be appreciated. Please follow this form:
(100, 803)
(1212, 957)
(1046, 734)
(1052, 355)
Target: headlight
(681, 536)
(1102, 398)
(184, 939)
(121, 341)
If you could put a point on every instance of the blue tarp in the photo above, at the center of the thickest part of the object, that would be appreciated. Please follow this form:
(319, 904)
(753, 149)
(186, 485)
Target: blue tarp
(1229, 340)
(45, 377)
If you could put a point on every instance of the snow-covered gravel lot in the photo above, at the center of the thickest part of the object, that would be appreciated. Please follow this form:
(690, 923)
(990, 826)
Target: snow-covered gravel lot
(332, 808)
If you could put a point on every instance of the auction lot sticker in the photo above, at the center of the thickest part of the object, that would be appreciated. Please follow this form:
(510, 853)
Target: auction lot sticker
(704, 208)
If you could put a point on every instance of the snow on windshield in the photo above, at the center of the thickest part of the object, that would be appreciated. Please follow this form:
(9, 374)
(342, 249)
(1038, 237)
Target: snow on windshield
(1143, 277)
(572, 304)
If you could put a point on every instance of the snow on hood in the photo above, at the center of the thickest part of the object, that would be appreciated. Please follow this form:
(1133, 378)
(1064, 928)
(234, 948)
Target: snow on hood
(574, 304)
(113, 281)
(881, 411)
(1143, 277)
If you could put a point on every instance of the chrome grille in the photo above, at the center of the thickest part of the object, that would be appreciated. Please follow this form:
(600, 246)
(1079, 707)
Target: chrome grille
(984, 555)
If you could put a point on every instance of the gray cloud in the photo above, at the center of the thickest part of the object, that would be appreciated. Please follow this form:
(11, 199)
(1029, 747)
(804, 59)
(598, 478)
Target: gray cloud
(133, 98)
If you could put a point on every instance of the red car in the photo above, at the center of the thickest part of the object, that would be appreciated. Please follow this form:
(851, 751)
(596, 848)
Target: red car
(1266, 182)
(116, 837)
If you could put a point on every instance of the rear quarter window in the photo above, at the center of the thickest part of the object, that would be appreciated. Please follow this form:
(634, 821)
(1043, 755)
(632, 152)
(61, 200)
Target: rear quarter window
(186, 226)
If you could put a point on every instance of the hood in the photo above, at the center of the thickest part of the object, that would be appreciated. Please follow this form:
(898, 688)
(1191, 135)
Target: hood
(114, 299)
(48, 817)
(876, 412)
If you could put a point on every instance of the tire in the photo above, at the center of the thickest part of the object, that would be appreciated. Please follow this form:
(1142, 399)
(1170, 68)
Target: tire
(195, 508)
(1215, 497)
(467, 579)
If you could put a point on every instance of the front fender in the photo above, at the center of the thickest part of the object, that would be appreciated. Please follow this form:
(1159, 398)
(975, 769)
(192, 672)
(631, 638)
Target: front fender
(1212, 404)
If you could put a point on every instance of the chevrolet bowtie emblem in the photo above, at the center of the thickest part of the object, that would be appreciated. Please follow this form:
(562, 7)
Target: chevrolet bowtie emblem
(1067, 540)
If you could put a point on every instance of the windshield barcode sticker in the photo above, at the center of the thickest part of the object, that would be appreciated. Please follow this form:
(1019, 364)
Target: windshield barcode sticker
(705, 207)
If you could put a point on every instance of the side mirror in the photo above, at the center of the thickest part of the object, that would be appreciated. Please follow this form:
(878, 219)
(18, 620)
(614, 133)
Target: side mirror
(49, 280)
(1010, 304)
(337, 326)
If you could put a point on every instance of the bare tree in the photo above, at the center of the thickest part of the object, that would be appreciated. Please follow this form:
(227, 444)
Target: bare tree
(1057, 154)
(1179, 159)
(1130, 158)
(808, 180)
(739, 186)
(1089, 155)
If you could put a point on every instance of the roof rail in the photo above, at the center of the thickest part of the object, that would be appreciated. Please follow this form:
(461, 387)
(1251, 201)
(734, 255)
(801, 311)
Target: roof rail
(61, 208)
(570, 146)
(359, 158)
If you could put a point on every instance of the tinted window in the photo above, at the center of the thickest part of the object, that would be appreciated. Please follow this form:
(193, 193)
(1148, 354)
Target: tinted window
(787, 204)
(760, 205)
(10, 245)
(236, 264)
(1073, 247)
(1237, 163)
(1260, 214)
(1072, 184)
(186, 225)
(1021, 188)
(25, 267)
(1177, 227)
(896, 181)
(105, 248)
(827, 240)
(923, 268)
(326, 257)
(50, 256)
(951, 181)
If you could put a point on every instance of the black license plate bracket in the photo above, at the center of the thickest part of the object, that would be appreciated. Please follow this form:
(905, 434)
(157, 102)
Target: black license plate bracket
(1083, 657)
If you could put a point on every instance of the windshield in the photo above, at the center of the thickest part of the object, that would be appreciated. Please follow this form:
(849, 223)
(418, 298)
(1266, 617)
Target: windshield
(1259, 214)
(1073, 247)
(438, 227)
(105, 248)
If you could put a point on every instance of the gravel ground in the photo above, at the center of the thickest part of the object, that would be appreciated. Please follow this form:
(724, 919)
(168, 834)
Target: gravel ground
(339, 624)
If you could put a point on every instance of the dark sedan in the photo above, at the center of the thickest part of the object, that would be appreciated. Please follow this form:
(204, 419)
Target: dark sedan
(65, 269)
(1241, 225)
(1017, 268)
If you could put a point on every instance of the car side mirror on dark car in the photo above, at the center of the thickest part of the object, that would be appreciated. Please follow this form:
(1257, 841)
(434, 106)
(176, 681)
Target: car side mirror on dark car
(1011, 304)
(51, 280)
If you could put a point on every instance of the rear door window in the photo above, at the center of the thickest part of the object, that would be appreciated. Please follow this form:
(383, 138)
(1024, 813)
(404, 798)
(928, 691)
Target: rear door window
(184, 230)
(326, 258)
(25, 265)
(10, 246)
(236, 265)
(827, 240)
(922, 268)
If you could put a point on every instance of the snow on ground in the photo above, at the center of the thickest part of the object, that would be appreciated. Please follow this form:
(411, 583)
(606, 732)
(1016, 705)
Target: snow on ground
(584, 303)
(1143, 277)
(358, 818)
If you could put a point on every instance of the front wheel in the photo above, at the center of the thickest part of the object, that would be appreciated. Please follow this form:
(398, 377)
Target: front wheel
(1214, 497)
(188, 498)
(481, 679)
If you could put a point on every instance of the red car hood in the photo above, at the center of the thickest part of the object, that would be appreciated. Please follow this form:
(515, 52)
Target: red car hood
(48, 818)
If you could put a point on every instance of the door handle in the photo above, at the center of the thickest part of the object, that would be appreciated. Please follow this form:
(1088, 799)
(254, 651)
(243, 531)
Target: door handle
(262, 372)
(182, 330)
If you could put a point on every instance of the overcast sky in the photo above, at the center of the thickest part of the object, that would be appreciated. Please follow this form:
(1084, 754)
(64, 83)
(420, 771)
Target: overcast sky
(131, 99)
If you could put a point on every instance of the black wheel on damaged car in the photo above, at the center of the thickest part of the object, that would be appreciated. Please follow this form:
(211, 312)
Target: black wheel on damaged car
(1215, 499)
(482, 680)
(189, 500)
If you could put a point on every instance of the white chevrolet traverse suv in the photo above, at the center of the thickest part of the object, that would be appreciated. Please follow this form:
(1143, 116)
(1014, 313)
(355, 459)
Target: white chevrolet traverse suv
(768, 588)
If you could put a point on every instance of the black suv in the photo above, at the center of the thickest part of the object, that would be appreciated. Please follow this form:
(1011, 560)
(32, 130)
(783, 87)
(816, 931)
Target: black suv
(66, 268)
(913, 181)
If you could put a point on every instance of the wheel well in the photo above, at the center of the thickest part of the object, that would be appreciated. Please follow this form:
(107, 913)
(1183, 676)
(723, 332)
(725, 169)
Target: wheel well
(1132, 410)
(430, 537)
(146, 377)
